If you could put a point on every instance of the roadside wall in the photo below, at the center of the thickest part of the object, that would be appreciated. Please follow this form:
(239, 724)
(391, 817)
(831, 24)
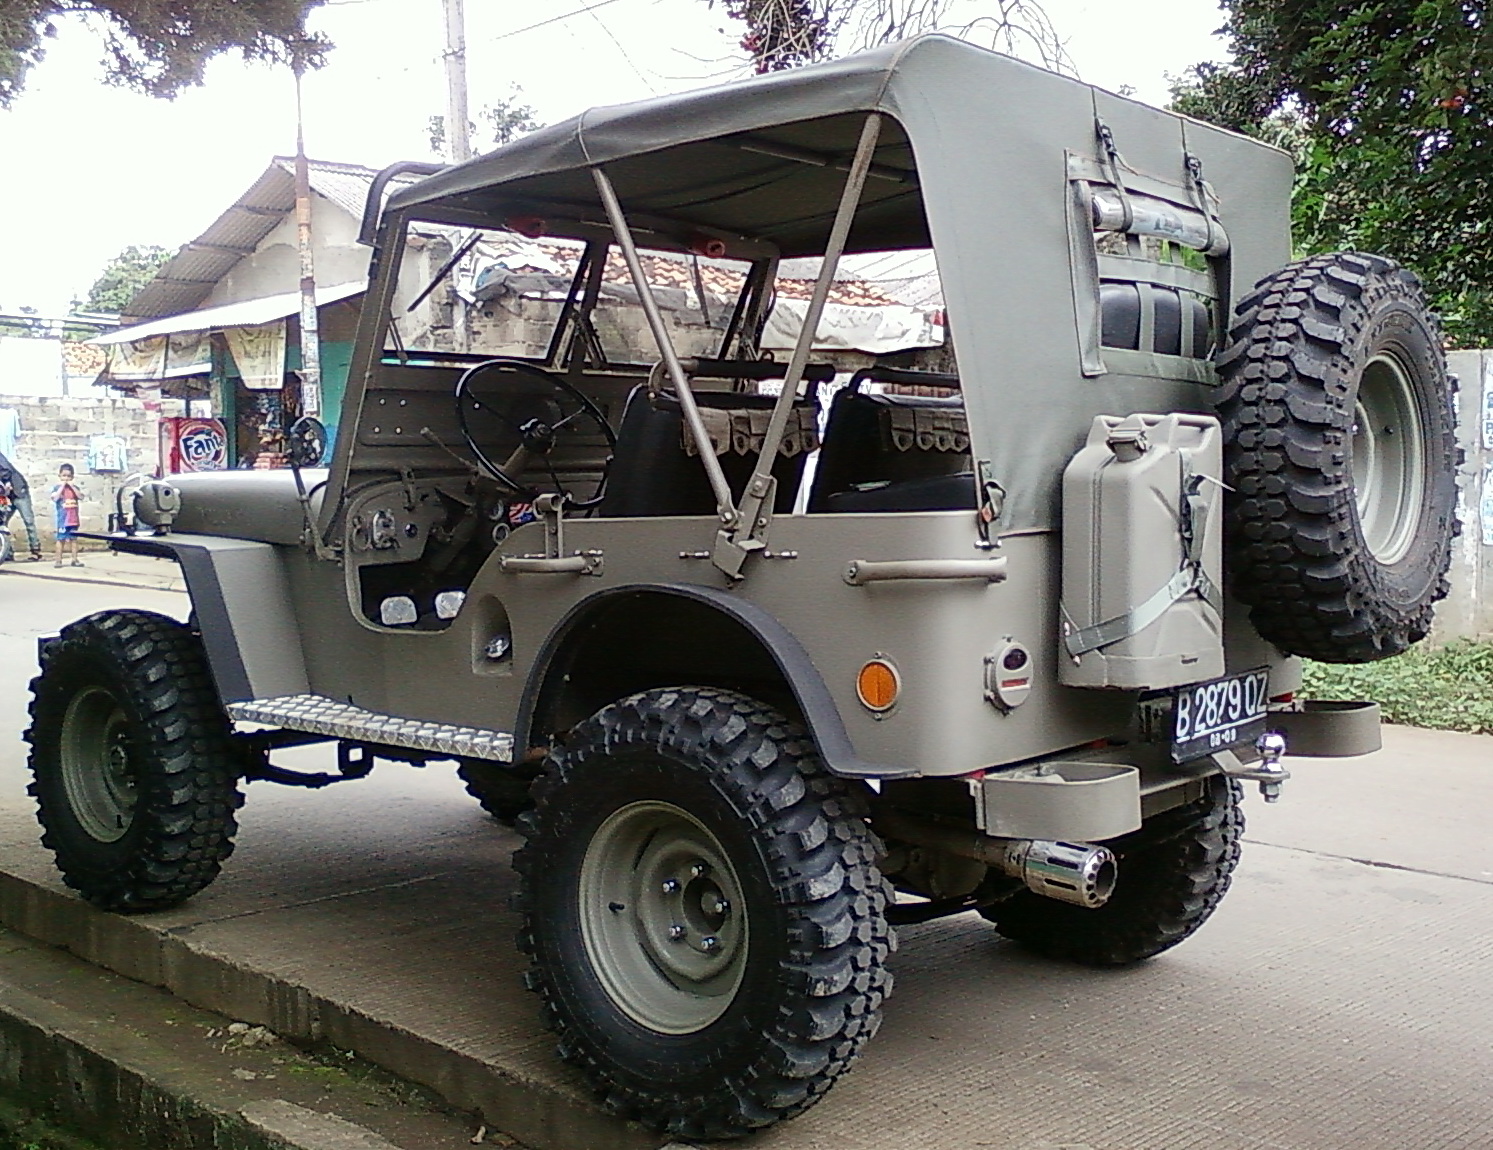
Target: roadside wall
(1467, 612)
(56, 429)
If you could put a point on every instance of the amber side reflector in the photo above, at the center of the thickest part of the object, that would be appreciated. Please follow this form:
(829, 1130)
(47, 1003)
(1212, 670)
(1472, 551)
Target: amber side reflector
(877, 685)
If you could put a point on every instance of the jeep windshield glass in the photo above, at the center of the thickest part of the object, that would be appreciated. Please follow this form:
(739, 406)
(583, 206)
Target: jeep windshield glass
(492, 292)
(479, 291)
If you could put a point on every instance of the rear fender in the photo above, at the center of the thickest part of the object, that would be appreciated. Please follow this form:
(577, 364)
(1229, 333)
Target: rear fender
(636, 637)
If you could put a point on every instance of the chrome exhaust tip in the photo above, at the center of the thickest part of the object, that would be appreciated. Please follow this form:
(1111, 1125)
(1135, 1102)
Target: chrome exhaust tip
(1077, 873)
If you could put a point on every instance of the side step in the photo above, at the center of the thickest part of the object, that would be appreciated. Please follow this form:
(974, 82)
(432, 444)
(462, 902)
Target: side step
(321, 716)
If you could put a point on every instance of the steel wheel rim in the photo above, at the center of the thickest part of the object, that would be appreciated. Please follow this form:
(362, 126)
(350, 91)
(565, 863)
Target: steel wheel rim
(97, 776)
(662, 918)
(1387, 462)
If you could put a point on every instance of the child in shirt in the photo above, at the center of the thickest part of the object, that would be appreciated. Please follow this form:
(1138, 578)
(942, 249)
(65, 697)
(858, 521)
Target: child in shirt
(66, 496)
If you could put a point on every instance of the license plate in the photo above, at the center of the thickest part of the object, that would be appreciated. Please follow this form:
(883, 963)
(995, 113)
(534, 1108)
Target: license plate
(1208, 717)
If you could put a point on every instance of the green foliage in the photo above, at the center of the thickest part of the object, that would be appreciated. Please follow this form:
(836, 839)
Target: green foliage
(1447, 688)
(504, 122)
(1386, 106)
(123, 276)
(159, 48)
(783, 34)
(510, 118)
(23, 1126)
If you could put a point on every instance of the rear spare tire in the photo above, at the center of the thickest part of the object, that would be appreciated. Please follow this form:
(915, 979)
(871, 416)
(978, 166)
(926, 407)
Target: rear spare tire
(1340, 449)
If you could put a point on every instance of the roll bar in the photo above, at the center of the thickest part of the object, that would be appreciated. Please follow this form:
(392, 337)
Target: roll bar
(374, 204)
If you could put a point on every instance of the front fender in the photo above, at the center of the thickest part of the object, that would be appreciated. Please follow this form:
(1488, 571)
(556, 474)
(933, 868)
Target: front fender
(243, 608)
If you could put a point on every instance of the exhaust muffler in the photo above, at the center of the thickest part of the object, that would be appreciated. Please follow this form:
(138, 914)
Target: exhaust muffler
(1082, 874)
(1079, 873)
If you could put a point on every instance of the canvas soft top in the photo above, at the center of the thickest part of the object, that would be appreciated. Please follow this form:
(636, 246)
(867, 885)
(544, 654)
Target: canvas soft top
(715, 173)
(977, 159)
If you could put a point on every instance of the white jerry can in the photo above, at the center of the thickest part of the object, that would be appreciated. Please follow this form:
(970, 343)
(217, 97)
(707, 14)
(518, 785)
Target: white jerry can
(1143, 554)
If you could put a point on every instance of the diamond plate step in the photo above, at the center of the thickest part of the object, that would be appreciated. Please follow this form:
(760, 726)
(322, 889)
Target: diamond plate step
(321, 716)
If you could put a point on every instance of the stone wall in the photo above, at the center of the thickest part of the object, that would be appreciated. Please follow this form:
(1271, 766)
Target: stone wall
(56, 429)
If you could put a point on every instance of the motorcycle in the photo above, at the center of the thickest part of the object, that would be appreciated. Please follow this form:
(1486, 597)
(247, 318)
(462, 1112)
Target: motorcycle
(7, 544)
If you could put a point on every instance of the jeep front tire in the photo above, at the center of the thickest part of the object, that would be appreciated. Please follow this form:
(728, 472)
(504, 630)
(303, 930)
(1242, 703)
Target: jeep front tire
(135, 770)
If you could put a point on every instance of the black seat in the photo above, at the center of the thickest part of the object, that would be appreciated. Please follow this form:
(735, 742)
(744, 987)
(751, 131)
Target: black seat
(894, 453)
(652, 473)
(935, 493)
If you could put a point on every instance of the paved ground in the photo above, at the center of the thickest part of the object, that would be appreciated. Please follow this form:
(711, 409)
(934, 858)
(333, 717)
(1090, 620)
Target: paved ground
(102, 568)
(1338, 999)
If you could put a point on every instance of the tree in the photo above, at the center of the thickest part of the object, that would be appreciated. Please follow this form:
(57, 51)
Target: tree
(158, 47)
(786, 33)
(125, 275)
(506, 121)
(1386, 104)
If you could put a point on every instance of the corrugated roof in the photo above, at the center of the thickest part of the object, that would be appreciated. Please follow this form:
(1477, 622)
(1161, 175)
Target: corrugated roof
(244, 313)
(184, 282)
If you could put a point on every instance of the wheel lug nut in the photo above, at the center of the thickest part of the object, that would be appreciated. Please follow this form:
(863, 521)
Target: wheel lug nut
(671, 886)
(698, 870)
(676, 932)
(710, 942)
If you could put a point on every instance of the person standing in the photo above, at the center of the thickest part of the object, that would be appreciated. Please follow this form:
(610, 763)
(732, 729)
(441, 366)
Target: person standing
(67, 498)
(20, 500)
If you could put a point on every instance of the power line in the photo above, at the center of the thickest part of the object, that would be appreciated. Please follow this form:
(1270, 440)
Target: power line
(600, 23)
(556, 19)
(501, 36)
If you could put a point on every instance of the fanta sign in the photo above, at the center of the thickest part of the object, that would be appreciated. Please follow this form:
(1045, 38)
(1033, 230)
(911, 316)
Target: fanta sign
(201, 445)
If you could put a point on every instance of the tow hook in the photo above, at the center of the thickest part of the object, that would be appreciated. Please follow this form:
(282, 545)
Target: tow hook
(1267, 772)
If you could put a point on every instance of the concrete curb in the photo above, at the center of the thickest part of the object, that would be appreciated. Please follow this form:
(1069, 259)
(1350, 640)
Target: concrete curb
(110, 583)
(536, 1113)
(89, 1048)
(165, 584)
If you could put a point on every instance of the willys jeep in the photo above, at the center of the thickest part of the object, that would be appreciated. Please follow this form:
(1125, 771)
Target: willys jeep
(762, 660)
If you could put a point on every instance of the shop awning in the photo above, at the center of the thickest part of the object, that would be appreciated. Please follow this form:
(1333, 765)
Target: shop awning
(245, 313)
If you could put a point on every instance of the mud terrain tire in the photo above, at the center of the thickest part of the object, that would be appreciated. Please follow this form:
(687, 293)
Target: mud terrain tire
(1172, 874)
(682, 815)
(1340, 449)
(135, 770)
(502, 790)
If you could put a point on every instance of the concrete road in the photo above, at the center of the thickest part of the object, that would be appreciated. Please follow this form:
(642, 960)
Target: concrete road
(1342, 996)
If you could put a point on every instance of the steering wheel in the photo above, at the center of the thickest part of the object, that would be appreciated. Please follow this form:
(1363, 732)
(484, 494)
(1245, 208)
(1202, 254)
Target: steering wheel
(306, 442)
(533, 413)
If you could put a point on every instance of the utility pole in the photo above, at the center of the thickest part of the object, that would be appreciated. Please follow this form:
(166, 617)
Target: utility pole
(458, 127)
(310, 328)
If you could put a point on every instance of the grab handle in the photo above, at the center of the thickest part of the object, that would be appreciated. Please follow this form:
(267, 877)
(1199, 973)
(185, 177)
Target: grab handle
(589, 563)
(859, 572)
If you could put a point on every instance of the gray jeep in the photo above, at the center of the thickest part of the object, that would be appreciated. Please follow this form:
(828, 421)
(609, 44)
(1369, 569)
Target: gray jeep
(763, 660)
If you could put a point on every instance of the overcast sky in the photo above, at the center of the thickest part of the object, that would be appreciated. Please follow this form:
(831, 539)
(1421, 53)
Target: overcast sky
(91, 169)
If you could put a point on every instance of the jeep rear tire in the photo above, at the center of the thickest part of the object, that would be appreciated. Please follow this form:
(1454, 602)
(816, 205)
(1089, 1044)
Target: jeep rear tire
(1172, 874)
(135, 770)
(1341, 453)
(703, 912)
